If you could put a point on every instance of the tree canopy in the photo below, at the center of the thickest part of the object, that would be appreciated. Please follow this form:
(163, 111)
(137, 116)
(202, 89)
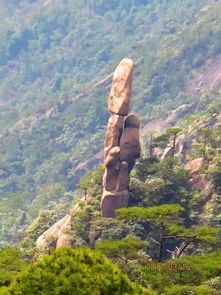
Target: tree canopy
(74, 271)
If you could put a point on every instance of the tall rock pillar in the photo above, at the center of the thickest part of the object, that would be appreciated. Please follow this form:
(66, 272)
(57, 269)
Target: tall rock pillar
(122, 146)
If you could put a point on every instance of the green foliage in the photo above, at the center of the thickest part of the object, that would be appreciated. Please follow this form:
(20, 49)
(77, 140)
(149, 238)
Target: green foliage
(191, 270)
(127, 253)
(170, 134)
(157, 214)
(69, 271)
(182, 290)
(53, 117)
(92, 181)
(42, 223)
(11, 263)
(82, 220)
(159, 217)
(124, 249)
(214, 173)
(206, 234)
(42, 201)
(205, 136)
(198, 150)
(175, 229)
(155, 182)
(115, 229)
(52, 114)
(82, 224)
(201, 233)
(165, 221)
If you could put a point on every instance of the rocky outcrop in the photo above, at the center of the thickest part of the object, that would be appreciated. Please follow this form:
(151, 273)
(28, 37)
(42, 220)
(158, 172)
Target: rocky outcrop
(197, 179)
(204, 186)
(154, 125)
(194, 166)
(122, 146)
(206, 79)
(129, 142)
(182, 146)
(113, 134)
(58, 233)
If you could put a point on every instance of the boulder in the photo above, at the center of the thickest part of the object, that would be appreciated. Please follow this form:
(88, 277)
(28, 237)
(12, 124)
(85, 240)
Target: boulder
(123, 177)
(112, 201)
(111, 169)
(130, 146)
(113, 134)
(120, 94)
(63, 241)
(132, 121)
(58, 232)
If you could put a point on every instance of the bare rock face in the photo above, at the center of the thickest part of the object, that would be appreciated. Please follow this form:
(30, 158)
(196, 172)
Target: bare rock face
(63, 240)
(113, 134)
(57, 235)
(130, 146)
(122, 179)
(132, 122)
(120, 94)
(112, 201)
(122, 146)
(129, 142)
(112, 168)
(57, 232)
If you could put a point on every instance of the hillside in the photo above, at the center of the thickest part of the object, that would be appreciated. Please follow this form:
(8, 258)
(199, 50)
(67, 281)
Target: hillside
(110, 170)
(167, 239)
(56, 59)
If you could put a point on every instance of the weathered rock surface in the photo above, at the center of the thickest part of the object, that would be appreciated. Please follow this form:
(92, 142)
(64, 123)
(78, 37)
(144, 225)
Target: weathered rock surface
(194, 166)
(112, 201)
(120, 94)
(58, 232)
(63, 240)
(122, 146)
(132, 121)
(130, 146)
(129, 142)
(112, 168)
(113, 134)
(154, 125)
(122, 179)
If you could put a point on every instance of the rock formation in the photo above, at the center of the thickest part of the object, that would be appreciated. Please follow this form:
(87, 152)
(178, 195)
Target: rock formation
(58, 232)
(122, 146)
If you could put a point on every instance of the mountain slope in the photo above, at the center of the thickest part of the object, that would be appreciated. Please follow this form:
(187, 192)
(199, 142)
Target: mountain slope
(53, 54)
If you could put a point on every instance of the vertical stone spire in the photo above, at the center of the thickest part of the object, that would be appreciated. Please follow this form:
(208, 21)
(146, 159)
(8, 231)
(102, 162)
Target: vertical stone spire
(122, 146)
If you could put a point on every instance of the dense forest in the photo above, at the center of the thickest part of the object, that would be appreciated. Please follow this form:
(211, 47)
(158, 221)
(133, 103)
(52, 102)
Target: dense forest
(56, 65)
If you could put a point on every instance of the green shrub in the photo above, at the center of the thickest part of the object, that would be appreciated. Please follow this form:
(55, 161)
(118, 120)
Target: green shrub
(190, 290)
(74, 271)
(191, 270)
(11, 264)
